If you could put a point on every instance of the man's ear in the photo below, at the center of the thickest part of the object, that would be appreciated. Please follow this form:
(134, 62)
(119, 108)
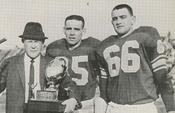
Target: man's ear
(84, 31)
(133, 19)
(112, 23)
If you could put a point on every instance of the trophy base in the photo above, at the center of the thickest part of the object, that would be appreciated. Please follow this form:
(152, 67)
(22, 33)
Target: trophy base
(47, 95)
(45, 106)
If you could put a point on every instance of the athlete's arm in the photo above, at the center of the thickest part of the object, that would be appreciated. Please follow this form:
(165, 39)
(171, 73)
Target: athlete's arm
(70, 86)
(162, 81)
(103, 78)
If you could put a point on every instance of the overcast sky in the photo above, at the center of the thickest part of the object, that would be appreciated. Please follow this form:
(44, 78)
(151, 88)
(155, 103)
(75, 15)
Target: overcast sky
(14, 15)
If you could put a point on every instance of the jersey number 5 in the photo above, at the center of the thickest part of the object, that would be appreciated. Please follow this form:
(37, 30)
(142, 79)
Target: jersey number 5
(79, 70)
(116, 62)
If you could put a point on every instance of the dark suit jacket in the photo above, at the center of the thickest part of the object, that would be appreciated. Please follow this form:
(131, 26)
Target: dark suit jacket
(12, 78)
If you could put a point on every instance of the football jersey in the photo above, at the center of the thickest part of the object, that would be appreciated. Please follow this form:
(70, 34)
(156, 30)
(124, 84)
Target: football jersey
(80, 61)
(131, 67)
(149, 30)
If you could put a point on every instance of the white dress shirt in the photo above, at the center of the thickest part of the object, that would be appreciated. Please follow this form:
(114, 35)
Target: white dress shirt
(27, 75)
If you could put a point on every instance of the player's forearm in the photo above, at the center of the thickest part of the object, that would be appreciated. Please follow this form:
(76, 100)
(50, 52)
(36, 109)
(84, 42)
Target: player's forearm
(168, 100)
(103, 89)
(167, 95)
(165, 88)
(74, 93)
(71, 87)
(104, 96)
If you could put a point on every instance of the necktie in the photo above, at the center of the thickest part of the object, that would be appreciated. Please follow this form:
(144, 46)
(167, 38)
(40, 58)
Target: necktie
(31, 73)
(31, 80)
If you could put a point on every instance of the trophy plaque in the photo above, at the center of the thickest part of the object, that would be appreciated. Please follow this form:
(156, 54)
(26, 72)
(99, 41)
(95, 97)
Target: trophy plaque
(46, 95)
(47, 100)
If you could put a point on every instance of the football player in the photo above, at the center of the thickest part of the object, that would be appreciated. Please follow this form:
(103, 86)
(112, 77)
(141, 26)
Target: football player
(133, 68)
(80, 55)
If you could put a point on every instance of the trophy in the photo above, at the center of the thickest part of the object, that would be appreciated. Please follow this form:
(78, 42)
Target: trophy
(54, 72)
(47, 100)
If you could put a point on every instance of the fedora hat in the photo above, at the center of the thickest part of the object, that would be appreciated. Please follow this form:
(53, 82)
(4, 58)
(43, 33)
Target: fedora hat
(34, 31)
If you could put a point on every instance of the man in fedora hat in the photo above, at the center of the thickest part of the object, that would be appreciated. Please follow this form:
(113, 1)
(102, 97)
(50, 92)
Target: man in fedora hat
(15, 71)
(23, 74)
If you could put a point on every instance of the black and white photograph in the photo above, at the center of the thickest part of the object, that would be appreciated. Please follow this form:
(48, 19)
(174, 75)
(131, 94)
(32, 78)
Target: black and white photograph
(87, 56)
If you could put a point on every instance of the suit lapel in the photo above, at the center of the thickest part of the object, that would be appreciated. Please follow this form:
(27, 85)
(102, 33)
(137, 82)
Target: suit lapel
(42, 72)
(20, 67)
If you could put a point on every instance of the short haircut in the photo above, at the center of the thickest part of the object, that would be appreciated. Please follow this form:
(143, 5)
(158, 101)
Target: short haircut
(76, 17)
(124, 6)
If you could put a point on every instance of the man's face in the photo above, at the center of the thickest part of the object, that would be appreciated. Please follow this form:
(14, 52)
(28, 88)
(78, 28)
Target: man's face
(122, 21)
(74, 31)
(32, 47)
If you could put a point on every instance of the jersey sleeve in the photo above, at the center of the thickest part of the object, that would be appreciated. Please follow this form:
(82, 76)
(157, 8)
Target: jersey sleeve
(94, 64)
(53, 50)
(149, 30)
(157, 57)
(103, 77)
(48, 55)
(94, 61)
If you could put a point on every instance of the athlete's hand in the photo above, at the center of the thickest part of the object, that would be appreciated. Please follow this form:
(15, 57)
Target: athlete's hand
(70, 105)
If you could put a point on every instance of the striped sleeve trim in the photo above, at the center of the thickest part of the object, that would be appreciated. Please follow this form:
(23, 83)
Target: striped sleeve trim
(160, 68)
(104, 77)
(159, 63)
(159, 57)
(103, 73)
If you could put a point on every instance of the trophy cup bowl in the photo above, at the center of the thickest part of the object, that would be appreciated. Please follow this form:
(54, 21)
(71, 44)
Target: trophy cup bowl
(54, 71)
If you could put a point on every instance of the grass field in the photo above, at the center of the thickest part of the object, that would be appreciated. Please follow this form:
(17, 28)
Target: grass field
(158, 103)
